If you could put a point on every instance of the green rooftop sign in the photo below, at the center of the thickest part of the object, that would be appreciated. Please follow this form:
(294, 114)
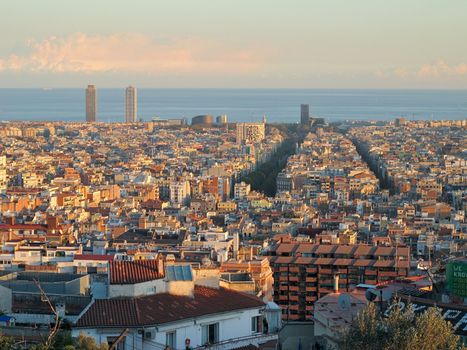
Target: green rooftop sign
(456, 275)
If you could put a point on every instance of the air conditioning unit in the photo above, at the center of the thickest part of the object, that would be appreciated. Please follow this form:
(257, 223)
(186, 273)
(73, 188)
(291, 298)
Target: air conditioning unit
(149, 335)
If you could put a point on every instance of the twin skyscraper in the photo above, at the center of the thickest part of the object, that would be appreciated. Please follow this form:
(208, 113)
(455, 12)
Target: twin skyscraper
(131, 104)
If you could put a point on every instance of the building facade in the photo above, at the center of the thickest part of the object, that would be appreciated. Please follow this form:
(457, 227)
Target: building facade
(131, 104)
(303, 272)
(304, 114)
(250, 132)
(91, 103)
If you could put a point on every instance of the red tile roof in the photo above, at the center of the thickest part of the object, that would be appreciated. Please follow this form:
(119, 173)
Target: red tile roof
(96, 257)
(130, 272)
(164, 308)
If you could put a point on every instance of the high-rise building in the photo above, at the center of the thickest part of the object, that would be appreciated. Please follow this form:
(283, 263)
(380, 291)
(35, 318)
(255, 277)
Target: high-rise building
(250, 132)
(91, 103)
(131, 104)
(304, 114)
(303, 273)
(221, 119)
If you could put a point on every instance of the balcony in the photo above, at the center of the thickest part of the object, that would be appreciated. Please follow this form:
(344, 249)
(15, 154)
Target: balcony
(242, 342)
(293, 297)
(294, 269)
(293, 278)
(293, 288)
(283, 269)
(387, 273)
(310, 279)
(311, 270)
(370, 272)
(325, 271)
(295, 307)
(311, 289)
(324, 290)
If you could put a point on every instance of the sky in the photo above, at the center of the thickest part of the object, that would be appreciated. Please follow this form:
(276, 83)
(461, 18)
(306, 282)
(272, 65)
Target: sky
(234, 44)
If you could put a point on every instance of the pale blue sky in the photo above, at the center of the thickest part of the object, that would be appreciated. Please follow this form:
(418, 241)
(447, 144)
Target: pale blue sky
(255, 43)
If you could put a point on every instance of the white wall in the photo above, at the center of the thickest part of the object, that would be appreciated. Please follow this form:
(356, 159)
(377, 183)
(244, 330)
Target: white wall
(138, 289)
(232, 325)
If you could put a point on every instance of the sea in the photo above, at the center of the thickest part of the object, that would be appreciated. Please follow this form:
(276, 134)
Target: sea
(244, 105)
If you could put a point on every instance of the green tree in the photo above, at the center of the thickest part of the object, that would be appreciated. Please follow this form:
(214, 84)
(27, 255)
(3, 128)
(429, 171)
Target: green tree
(88, 343)
(402, 329)
(6, 343)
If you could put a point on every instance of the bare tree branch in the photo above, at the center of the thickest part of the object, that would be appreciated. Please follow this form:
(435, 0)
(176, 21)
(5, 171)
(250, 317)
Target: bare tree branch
(54, 330)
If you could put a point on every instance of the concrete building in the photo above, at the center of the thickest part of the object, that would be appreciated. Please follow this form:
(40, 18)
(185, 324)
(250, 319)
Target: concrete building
(91, 103)
(250, 132)
(131, 104)
(241, 190)
(221, 119)
(202, 120)
(305, 272)
(179, 192)
(304, 114)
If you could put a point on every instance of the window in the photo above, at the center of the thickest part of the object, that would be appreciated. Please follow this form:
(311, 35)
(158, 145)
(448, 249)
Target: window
(256, 324)
(210, 333)
(171, 340)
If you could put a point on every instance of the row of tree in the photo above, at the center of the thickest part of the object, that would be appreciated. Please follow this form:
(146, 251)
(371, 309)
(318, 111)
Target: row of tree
(400, 330)
(62, 341)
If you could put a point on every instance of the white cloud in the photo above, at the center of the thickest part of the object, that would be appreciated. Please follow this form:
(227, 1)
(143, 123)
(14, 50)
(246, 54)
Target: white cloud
(438, 70)
(131, 53)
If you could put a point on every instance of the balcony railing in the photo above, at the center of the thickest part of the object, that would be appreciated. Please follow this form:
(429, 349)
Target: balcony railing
(235, 343)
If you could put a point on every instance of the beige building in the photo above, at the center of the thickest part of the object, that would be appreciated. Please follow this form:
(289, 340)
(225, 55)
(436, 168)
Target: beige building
(250, 132)
(131, 104)
(91, 103)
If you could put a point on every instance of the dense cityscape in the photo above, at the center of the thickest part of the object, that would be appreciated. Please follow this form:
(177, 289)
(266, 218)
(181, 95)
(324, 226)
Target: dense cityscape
(156, 234)
(233, 175)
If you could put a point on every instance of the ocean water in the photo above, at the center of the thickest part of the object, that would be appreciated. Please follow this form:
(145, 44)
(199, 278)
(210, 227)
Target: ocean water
(279, 105)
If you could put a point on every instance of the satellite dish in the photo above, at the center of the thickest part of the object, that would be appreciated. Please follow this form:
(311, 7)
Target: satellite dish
(344, 301)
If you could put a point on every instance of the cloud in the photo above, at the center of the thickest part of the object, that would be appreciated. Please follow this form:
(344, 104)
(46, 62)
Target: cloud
(439, 70)
(81, 53)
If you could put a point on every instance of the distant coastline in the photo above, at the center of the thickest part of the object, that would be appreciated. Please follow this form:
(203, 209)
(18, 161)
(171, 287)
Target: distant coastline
(279, 105)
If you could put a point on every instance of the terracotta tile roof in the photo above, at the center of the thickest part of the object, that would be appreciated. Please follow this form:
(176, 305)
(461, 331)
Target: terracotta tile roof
(96, 257)
(130, 272)
(384, 263)
(163, 308)
(286, 248)
(363, 262)
(343, 262)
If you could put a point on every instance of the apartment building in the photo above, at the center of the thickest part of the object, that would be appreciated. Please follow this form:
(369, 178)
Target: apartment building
(305, 272)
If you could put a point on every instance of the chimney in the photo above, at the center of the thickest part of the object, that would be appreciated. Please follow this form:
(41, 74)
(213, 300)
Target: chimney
(336, 283)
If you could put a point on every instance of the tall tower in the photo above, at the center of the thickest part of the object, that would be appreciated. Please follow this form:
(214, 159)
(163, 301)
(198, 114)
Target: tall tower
(91, 103)
(304, 114)
(131, 104)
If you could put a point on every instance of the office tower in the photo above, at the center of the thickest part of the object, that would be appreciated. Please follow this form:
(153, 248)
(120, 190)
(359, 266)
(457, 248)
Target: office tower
(91, 104)
(131, 104)
(304, 114)
(221, 119)
(250, 132)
